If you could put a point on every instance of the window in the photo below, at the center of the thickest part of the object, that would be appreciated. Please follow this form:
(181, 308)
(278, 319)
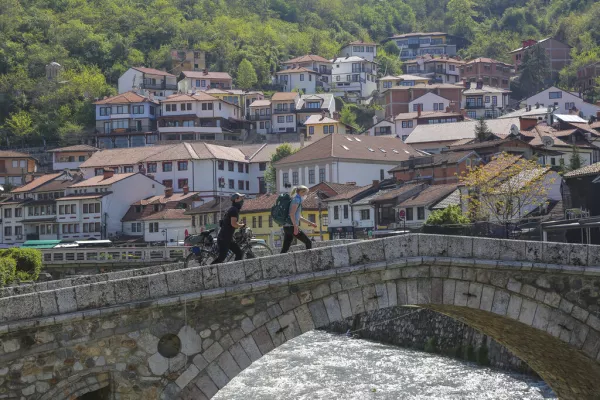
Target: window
(221, 165)
(471, 114)
(128, 169)
(86, 209)
(189, 106)
(407, 124)
(19, 212)
(81, 158)
(230, 166)
(420, 213)
(321, 175)
(286, 178)
(181, 183)
(555, 95)
(301, 77)
(104, 111)
(345, 211)
(289, 118)
(495, 100)
(182, 165)
(336, 212)
(8, 231)
(151, 167)
(312, 218)
(487, 99)
(168, 183)
(409, 214)
(311, 130)
(253, 222)
(240, 185)
(153, 227)
(262, 166)
(8, 213)
(295, 178)
(231, 184)
(137, 109)
(365, 214)
(270, 221)
(381, 174)
(247, 185)
(569, 106)
(553, 161)
(202, 83)
(311, 176)
(167, 167)
(98, 171)
(260, 221)
(136, 227)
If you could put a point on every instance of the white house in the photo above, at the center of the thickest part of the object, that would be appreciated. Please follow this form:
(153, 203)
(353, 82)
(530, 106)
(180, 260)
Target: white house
(407, 122)
(358, 48)
(385, 127)
(417, 208)
(315, 104)
(93, 208)
(168, 225)
(564, 101)
(354, 76)
(429, 102)
(71, 157)
(148, 82)
(300, 79)
(484, 101)
(350, 216)
(283, 112)
(341, 159)
(195, 81)
(199, 117)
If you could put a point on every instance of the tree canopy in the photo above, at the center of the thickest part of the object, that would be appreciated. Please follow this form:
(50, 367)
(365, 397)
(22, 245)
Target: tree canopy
(281, 152)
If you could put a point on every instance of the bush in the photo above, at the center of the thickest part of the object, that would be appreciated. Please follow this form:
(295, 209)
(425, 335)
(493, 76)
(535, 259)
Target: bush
(8, 267)
(28, 262)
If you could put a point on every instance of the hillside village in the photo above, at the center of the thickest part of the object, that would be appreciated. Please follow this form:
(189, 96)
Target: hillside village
(170, 148)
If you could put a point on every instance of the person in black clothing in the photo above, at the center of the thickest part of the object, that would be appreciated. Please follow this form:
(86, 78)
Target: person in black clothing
(230, 223)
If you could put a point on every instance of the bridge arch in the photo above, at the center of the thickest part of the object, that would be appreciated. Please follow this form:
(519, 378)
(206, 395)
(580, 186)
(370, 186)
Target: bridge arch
(89, 381)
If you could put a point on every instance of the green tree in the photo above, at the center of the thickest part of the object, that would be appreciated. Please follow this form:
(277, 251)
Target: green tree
(19, 124)
(281, 152)
(451, 215)
(348, 116)
(482, 132)
(461, 12)
(535, 71)
(575, 160)
(246, 75)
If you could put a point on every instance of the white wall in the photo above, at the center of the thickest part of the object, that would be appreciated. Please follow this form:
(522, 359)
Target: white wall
(367, 223)
(543, 98)
(341, 221)
(428, 100)
(349, 50)
(126, 81)
(13, 222)
(405, 131)
(343, 69)
(175, 230)
(308, 85)
(207, 174)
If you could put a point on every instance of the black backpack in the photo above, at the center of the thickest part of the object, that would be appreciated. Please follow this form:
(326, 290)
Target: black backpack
(280, 212)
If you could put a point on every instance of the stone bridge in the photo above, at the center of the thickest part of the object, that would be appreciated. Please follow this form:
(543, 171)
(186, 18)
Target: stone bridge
(174, 333)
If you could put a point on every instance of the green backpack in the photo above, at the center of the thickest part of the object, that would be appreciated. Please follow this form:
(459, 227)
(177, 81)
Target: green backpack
(281, 210)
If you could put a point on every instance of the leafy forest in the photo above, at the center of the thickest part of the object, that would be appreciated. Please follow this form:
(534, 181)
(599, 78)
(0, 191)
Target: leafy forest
(97, 40)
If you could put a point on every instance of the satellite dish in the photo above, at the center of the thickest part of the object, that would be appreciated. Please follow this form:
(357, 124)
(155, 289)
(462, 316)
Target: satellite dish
(547, 141)
(514, 130)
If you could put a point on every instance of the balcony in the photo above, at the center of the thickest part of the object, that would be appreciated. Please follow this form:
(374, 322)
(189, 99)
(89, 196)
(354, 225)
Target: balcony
(190, 129)
(323, 71)
(473, 106)
(159, 86)
(260, 117)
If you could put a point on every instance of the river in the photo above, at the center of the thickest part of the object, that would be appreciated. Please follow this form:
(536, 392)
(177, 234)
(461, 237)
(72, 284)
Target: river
(324, 366)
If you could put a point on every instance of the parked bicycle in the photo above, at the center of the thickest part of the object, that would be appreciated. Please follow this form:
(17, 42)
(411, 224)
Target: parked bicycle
(204, 248)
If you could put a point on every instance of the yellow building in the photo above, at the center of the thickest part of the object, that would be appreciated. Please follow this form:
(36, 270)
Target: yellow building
(323, 125)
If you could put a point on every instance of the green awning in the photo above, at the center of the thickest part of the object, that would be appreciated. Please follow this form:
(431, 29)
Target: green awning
(40, 244)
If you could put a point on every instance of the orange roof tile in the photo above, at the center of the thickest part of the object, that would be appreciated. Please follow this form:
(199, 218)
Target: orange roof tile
(127, 97)
(307, 58)
(37, 182)
(100, 181)
(282, 96)
(152, 71)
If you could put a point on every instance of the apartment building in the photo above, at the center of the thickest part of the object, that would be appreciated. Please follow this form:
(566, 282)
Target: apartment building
(398, 99)
(148, 82)
(284, 122)
(16, 168)
(354, 76)
(559, 54)
(160, 218)
(342, 158)
(71, 157)
(563, 102)
(93, 208)
(489, 71)
(305, 73)
(441, 69)
(190, 82)
(187, 60)
(482, 101)
(199, 117)
(416, 44)
(260, 115)
(126, 120)
(358, 48)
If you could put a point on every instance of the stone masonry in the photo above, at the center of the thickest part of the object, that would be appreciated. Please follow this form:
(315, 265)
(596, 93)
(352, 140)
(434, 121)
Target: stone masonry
(539, 300)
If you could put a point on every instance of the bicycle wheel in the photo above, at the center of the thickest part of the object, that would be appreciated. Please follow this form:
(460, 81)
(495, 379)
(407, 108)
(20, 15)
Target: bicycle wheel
(196, 260)
(260, 250)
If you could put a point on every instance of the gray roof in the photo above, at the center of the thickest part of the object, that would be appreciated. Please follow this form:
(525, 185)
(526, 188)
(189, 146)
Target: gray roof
(485, 89)
(452, 199)
(326, 97)
(534, 112)
(458, 130)
(367, 200)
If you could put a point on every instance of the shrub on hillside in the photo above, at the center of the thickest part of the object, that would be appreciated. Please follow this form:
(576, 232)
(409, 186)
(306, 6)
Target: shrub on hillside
(8, 267)
(28, 262)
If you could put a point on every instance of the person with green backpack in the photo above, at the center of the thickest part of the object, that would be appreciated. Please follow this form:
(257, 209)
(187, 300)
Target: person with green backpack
(287, 212)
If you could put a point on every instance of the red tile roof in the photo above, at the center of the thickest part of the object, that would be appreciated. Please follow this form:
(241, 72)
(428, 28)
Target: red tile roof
(127, 97)
(282, 96)
(260, 203)
(78, 147)
(100, 181)
(405, 35)
(13, 154)
(167, 214)
(198, 96)
(37, 182)
(296, 70)
(391, 194)
(349, 194)
(429, 196)
(360, 42)
(488, 60)
(206, 75)
(152, 71)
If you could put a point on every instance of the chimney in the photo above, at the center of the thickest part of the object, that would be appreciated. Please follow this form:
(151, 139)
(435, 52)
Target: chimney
(168, 191)
(107, 173)
(336, 116)
(186, 189)
(526, 124)
(419, 111)
(205, 71)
